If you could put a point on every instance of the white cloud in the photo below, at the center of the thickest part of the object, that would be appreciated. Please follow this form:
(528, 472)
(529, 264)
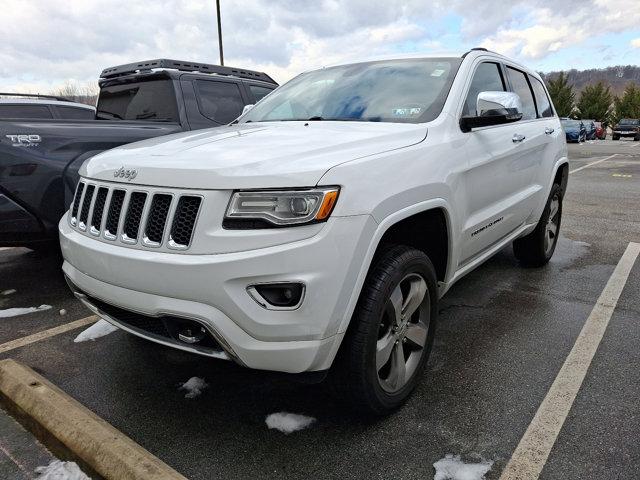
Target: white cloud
(635, 43)
(554, 29)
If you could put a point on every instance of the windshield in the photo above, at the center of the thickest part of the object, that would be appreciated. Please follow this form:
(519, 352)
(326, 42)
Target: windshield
(152, 100)
(408, 91)
(629, 121)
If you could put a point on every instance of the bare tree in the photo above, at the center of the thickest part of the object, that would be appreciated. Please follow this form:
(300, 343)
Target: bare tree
(82, 93)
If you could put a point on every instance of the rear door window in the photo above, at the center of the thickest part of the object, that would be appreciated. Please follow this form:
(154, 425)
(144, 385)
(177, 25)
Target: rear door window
(219, 101)
(487, 78)
(520, 85)
(75, 113)
(25, 111)
(542, 100)
(153, 100)
(259, 92)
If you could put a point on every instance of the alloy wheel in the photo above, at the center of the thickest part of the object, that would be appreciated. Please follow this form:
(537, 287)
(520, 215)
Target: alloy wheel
(553, 223)
(402, 335)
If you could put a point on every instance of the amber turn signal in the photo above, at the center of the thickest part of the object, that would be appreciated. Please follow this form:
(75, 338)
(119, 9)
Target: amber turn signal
(328, 202)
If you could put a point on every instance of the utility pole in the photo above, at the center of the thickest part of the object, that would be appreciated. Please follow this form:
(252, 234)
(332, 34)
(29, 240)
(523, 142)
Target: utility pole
(219, 33)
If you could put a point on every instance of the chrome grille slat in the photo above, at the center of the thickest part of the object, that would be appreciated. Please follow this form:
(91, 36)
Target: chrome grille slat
(98, 211)
(133, 218)
(156, 221)
(131, 215)
(114, 214)
(86, 205)
(76, 203)
(184, 221)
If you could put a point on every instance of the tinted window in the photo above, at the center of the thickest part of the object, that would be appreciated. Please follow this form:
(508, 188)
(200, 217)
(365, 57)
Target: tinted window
(521, 87)
(486, 79)
(259, 92)
(542, 100)
(25, 111)
(628, 121)
(153, 100)
(408, 91)
(75, 113)
(219, 101)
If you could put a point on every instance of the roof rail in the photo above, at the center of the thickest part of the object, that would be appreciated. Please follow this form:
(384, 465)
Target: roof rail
(132, 68)
(34, 95)
(475, 49)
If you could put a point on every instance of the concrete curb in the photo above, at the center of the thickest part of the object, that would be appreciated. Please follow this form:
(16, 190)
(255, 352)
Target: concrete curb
(73, 431)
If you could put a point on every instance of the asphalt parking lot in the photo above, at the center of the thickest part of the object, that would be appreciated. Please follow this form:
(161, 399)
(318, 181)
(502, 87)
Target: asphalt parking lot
(504, 334)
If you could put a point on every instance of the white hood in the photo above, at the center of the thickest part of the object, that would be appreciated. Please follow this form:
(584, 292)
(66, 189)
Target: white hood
(260, 155)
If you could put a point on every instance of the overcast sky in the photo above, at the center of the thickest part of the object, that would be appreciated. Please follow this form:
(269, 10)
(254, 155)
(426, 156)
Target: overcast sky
(44, 43)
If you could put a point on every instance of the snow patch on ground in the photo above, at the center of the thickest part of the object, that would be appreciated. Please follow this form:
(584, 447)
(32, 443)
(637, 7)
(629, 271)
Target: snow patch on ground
(8, 292)
(288, 422)
(194, 387)
(97, 330)
(452, 468)
(14, 312)
(59, 470)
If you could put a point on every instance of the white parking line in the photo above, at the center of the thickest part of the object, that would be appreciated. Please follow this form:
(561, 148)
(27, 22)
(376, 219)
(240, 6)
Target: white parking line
(592, 163)
(36, 337)
(532, 452)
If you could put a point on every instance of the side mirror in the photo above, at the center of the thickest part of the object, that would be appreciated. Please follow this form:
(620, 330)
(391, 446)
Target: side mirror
(493, 108)
(246, 108)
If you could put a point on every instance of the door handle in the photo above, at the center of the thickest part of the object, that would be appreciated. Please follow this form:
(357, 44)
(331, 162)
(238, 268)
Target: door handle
(549, 130)
(517, 138)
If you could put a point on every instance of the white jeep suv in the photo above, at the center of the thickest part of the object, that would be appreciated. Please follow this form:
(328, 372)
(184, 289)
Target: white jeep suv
(320, 228)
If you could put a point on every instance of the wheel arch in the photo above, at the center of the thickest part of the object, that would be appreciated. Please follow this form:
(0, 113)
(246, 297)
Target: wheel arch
(428, 214)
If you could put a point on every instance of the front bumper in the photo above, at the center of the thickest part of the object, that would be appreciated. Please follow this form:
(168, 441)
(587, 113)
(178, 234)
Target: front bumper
(212, 289)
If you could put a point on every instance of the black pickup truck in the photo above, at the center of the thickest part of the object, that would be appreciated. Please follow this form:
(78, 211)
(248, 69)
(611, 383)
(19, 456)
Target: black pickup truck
(627, 127)
(40, 159)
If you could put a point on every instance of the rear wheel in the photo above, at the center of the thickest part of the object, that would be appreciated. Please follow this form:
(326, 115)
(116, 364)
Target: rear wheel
(615, 137)
(385, 350)
(537, 248)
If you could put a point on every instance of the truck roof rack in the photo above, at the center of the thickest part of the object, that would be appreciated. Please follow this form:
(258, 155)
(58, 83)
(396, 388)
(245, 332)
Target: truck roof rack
(34, 95)
(132, 68)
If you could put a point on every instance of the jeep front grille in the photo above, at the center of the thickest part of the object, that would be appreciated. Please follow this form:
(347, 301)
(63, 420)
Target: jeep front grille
(135, 216)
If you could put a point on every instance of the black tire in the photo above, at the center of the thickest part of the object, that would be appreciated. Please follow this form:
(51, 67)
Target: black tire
(355, 374)
(636, 138)
(615, 137)
(533, 250)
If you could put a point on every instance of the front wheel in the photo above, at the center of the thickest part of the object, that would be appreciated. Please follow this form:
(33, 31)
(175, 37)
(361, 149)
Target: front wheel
(536, 249)
(391, 333)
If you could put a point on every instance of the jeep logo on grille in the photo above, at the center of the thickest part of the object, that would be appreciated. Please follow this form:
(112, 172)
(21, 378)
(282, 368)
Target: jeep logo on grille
(129, 174)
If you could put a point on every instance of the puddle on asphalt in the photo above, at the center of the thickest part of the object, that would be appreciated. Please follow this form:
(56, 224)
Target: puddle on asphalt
(568, 251)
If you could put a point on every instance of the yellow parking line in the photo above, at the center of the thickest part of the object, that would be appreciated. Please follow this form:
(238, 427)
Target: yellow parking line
(43, 335)
(532, 452)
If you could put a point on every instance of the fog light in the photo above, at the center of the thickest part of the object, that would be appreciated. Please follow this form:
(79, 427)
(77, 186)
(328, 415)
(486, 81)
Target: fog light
(278, 296)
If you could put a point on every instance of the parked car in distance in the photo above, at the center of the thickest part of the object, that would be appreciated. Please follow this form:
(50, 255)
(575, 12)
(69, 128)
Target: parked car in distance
(39, 159)
(627, 127)
(320, 230)
(601, 131)
(574, 130)
(590, 126)
(32, 106)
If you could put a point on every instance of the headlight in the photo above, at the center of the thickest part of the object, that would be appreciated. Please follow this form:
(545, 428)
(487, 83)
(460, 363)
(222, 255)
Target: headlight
(277, 208)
